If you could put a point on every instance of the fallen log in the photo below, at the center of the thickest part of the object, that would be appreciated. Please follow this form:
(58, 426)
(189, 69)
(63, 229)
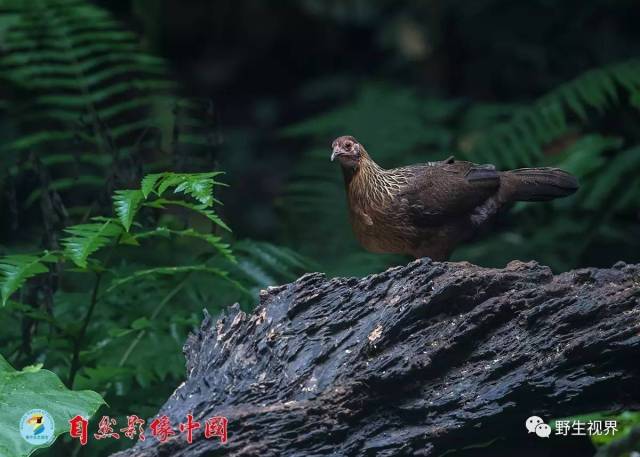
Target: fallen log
(427, 359)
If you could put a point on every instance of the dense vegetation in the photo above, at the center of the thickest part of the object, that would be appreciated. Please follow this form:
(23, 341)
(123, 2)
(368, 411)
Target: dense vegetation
(114, 162)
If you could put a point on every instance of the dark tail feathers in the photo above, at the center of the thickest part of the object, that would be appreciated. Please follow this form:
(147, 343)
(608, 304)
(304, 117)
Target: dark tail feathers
(538, 184)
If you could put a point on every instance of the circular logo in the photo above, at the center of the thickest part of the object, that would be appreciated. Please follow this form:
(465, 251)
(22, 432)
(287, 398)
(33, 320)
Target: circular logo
(37, 427)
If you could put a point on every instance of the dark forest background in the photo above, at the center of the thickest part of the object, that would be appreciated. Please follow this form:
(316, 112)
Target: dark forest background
(414, 81)
(102, 286)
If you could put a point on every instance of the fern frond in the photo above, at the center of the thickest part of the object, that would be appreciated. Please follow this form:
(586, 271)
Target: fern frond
(266, 264)
(62, 184)
(615, 184)
(223, 248)
(519, 141)
(200, 209)
(170, 271)
(126, 204)
(85, 239)
(407, 122)
(197, 185)
(15, 270)
(149, 183)
(92, 89)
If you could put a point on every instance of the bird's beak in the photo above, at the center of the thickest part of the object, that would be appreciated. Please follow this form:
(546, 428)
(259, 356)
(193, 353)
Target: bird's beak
(336, 152)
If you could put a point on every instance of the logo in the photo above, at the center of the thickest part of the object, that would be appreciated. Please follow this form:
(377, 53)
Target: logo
(37, 427)
(572, 427)
(536, 425)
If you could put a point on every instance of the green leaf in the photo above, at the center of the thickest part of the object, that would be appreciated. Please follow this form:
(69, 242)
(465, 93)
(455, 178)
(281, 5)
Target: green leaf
(86, 239)
(213, 240)
(34, 388)
(88, 84)
(16, 269)
(196, 185)
(593, 90)
(199, 186)
(200, 209)
(126, 204)
(149, 183)
(167, 271)
(66, 184)
(267, 264)
(141, 323)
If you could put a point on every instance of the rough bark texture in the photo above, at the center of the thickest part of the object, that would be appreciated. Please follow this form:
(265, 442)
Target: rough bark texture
(418, 360)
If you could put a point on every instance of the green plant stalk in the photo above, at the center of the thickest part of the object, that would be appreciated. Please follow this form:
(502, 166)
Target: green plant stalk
(75, 360)
(155, 314)
(143, 332)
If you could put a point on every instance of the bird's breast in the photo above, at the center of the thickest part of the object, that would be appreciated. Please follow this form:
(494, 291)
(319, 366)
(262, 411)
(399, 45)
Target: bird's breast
(378, 228)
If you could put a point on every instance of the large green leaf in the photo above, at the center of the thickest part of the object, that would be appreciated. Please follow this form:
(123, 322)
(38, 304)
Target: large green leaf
(34, 388)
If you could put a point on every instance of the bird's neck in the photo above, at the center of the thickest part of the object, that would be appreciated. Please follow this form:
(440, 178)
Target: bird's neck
(366, 169)
(364, 182)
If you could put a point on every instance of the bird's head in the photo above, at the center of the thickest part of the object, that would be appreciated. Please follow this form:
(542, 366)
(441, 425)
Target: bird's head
(347, 150)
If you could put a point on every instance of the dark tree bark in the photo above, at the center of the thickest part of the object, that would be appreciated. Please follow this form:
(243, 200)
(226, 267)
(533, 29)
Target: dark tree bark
(418, 360)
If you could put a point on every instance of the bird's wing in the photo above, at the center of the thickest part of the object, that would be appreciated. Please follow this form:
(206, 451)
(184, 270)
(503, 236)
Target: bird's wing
(440, 191)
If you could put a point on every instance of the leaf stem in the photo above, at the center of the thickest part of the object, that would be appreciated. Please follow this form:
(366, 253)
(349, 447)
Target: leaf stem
(75, 360)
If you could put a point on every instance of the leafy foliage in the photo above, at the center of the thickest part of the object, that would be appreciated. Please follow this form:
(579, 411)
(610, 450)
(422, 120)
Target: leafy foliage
(16, 269)
(85, 108)
(98, 104)
(214, 240)
(260, 264)
(126, 204)
(86, 239)
(198, 186)
(127, 338)
(521, 140)
(22, 390)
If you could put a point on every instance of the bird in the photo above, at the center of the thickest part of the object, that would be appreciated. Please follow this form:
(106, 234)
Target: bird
(429, 209)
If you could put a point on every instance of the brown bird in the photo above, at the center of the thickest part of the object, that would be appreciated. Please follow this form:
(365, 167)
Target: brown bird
(428, 209)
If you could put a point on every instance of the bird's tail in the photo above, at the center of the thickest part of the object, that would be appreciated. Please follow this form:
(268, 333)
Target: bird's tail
(537, 184)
